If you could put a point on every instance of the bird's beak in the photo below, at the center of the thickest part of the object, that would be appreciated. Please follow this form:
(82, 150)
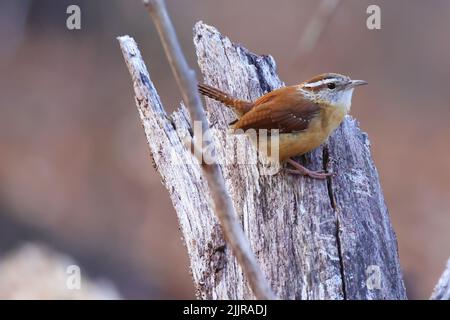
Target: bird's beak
(355, 83)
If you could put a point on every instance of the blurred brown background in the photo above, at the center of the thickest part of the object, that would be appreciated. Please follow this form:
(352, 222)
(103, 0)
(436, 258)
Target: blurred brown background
(71, 144)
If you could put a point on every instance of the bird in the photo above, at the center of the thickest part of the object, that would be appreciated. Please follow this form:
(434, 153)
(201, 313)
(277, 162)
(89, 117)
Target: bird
(305, 114)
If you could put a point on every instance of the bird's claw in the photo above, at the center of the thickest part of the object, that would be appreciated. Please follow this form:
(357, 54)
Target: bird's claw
(321, 175)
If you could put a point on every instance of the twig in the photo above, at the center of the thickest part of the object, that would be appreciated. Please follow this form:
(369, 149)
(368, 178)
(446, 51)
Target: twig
(315, 28)
(442, 289)
(223, 205)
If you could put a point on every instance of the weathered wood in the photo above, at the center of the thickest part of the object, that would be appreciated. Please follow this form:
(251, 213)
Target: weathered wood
(202, 146)
(442, 289)
(314, 239)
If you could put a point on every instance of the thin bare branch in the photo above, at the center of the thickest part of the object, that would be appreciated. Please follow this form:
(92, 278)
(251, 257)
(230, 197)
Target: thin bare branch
(316, 25)
(223, 205)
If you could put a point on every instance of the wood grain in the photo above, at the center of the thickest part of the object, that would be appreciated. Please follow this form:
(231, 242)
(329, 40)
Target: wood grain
(313, 239)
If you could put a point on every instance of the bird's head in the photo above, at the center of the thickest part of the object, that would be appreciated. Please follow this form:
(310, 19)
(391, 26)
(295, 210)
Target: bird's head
(331, 88)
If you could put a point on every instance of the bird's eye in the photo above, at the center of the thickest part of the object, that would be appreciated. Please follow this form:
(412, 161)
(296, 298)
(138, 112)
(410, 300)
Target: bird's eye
(331, 85)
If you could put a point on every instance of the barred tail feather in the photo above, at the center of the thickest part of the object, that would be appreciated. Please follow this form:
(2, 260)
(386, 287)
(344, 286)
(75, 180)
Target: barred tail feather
(239, 106)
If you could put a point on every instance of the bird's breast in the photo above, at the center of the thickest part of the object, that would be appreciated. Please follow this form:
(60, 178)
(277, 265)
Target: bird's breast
(318, 131)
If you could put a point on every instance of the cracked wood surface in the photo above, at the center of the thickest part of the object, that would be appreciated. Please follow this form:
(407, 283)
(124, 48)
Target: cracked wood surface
(313, 239)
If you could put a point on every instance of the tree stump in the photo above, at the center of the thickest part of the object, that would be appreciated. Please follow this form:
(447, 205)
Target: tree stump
(313, 239)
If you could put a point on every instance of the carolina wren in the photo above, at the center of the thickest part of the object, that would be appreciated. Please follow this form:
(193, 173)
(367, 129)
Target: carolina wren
(305, 114)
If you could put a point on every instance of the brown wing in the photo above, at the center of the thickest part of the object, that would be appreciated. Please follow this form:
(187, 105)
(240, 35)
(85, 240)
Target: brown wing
(283, 109)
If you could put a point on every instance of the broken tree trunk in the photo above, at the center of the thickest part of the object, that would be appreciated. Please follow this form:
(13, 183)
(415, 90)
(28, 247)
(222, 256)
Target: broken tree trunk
(313, 239)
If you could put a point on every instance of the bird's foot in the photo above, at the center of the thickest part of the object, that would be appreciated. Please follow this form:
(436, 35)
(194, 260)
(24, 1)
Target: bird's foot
(299, 169)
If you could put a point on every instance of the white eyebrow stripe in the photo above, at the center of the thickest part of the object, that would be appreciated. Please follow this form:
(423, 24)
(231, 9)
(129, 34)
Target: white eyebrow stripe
(314, 84)
(319, 83)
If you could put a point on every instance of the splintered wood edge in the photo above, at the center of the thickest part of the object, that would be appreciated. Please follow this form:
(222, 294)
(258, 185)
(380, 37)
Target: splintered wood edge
(442, 289)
